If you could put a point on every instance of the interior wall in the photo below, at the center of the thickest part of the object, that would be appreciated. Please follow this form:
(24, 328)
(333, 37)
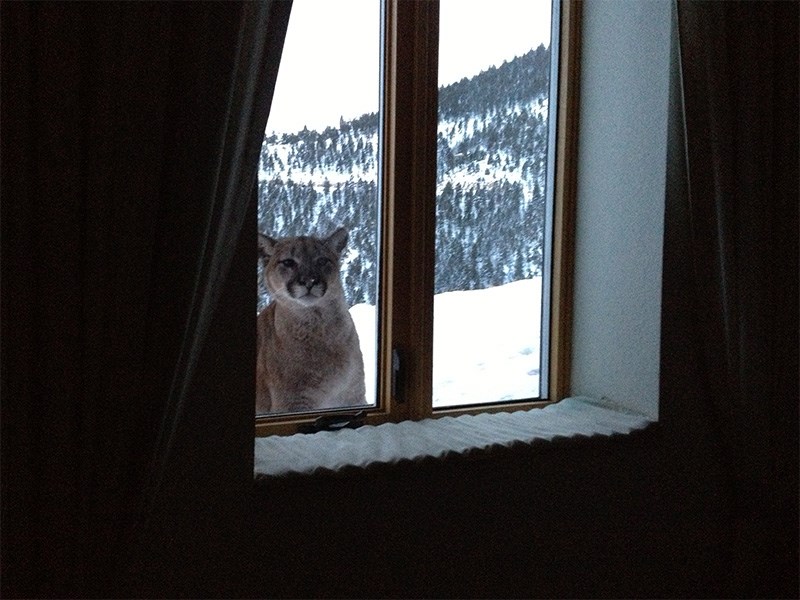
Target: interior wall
(590, 519)
(625, 66)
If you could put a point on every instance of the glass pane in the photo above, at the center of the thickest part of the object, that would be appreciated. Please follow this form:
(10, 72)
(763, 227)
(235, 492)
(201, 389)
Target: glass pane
(494, 76)
(318, 173)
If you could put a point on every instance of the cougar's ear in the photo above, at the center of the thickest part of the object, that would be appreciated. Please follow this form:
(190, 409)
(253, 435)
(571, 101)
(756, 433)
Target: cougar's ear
(266, 246)
(337, 240)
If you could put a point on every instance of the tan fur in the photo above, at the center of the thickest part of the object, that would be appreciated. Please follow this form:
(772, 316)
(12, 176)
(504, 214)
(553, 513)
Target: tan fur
(309, 357)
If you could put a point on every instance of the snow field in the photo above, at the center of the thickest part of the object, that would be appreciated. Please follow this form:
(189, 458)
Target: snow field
(485, 344)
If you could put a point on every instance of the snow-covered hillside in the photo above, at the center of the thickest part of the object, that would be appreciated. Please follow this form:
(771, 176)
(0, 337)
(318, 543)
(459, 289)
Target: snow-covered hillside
(491, 161)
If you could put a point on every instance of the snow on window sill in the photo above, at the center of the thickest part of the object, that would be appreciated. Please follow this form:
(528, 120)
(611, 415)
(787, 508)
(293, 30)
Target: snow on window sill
(392, 443)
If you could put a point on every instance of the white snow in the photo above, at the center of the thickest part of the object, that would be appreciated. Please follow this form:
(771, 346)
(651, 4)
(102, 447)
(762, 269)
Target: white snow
(485, 344)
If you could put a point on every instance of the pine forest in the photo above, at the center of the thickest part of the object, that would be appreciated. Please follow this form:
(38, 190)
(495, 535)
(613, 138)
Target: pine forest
(491, 175)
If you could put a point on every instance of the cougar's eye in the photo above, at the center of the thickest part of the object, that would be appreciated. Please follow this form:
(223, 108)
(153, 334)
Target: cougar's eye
(322, 262)
(289, 263)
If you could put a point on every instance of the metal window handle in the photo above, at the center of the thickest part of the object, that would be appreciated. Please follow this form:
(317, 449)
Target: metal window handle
(396, 372)
(334, 422)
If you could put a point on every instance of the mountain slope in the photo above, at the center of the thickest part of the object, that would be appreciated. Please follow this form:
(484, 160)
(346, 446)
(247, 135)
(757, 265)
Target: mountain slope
(492, 154)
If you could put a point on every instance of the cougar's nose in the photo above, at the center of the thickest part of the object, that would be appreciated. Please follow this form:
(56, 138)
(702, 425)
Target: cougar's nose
(309, 282)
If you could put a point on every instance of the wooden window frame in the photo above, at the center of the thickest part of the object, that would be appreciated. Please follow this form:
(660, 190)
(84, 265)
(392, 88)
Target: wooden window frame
(407, 238)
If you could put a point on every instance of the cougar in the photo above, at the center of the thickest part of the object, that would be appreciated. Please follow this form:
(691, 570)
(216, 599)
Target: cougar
(309, 356)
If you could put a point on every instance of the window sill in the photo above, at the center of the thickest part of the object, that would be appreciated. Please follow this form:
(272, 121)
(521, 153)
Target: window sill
(391, 443)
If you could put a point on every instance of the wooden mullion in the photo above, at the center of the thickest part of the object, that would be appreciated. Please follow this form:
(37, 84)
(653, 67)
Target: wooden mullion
(564, 202)
(413, 122)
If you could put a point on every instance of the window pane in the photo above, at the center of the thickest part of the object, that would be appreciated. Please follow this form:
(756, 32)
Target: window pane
(494, 76)
(318, 173)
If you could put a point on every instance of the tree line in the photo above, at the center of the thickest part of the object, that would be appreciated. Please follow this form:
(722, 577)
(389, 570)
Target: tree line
(491, 161)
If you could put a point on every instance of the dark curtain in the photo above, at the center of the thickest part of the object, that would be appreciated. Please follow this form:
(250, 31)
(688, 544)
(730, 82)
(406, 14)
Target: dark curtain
(130, 141)
(739, 68)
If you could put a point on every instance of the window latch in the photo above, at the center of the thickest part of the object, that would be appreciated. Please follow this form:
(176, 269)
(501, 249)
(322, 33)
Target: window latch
(396, 366)
(334, 422)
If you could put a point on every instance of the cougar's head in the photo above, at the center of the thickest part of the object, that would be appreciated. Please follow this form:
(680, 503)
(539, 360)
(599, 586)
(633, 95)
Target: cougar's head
(302, 269)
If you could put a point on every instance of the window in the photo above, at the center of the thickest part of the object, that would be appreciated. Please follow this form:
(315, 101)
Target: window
(452, 185)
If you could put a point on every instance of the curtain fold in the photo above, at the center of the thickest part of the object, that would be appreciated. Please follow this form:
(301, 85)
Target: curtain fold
(739, 66)
(131, 135)
(243, 114)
